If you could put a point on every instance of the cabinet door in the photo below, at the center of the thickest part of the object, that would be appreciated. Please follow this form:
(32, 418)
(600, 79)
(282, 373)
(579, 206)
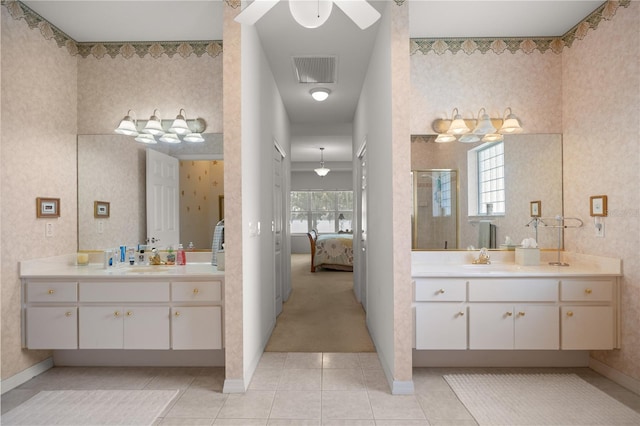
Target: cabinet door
(491, 326)
(537, 327)
(196, 327)
(441, 326)
(52, 328)
(146, 327)
(587, 327)
(101, 327)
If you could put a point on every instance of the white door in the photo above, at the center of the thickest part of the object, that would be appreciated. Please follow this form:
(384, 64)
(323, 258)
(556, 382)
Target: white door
(491, 326)
(536, 327)
(441, 326)
(361, 264)
(163, 199)
(277, 225)
(187, 331)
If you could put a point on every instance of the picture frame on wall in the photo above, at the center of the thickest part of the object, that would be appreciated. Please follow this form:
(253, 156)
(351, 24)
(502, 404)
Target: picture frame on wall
(535, 209)
(101, 209)
(47, 207)
(598, 205)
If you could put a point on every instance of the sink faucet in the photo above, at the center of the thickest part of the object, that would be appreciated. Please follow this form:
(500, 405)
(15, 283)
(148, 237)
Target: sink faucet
(483, 257)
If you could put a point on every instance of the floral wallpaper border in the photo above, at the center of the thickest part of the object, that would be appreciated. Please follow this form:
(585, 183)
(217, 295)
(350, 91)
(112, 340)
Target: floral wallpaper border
(439, 46)
(19, 10)
(526, 44)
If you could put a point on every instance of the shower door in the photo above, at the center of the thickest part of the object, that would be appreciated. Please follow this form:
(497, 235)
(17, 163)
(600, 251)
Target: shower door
(435, 209)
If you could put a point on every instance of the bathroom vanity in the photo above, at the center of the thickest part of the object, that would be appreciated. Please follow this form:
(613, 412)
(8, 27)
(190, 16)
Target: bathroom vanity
(164, 307)
(502, 306)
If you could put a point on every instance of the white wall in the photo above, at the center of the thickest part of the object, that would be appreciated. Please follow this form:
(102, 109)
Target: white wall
(263, 120)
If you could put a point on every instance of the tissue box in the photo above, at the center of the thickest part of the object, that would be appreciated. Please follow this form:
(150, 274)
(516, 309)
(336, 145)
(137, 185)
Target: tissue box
(528, 256)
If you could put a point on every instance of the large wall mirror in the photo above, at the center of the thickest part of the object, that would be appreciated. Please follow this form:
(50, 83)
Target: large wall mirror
(532, 172)
(112, 169)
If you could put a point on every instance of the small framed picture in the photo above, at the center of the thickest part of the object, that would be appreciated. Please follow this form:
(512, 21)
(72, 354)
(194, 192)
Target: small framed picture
(101, 209)
(598, 205)
(535, 208)
(47, 207)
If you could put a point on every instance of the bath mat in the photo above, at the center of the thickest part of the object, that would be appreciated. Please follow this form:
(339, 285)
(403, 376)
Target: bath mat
(538, 399)
(91, 407)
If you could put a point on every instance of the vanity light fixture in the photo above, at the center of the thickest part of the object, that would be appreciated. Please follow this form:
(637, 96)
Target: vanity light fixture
(322, 171)
(320, 93)
(155, 129)
(484, 127)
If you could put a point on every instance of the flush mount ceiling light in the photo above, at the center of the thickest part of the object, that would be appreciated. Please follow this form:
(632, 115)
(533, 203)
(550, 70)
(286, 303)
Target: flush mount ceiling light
(154, 129)
(322, 171)
(320, 93)
(484, 127)
(313, 13)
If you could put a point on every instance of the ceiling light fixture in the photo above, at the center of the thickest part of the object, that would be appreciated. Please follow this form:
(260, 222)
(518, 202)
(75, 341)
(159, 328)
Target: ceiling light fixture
(320, 93)
(310, 14)
(322, 171)
(154, 129)
(484, 127)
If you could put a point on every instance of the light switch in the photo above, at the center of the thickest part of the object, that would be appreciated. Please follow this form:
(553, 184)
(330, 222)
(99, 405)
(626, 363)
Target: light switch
(48, 229)
(100, 226)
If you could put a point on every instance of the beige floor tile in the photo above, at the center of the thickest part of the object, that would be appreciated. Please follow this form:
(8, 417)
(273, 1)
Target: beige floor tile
(303, 360)
(445, 405)
(453, 422)
(343, 379)
(272, 360)
(346, 405)
(340, 360)
(336, 422)
(303, 379)
(12, 399)
(395, 407)
(177, 421)
(402, 423)
(369, 361)
(296, 422)
(375, 380)
(240, 422)
(266, 379)
(249, 405)
(197, 403)
(297, 405)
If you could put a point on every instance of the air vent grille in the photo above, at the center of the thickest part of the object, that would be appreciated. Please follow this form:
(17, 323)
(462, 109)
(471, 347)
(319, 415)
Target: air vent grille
(315, 69)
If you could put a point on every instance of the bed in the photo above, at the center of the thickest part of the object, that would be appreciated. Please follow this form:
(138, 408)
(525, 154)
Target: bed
(331, 251)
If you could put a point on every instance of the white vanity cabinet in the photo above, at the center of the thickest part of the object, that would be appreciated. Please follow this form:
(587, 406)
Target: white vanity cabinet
(440, 313)
(52, 316)
(121, 315)
(588, 313)
(146, 313)
(515, 313)
(196, 317)
(528, 321)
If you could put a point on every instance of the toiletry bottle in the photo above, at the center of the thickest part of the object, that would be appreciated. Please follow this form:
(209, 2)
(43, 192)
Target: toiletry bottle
(181, 258)
(171, 256)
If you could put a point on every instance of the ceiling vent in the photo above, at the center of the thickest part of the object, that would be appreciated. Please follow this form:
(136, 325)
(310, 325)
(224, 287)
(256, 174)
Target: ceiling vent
(315, 69)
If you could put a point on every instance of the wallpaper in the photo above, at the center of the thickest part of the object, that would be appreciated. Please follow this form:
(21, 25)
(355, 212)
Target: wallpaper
(38, 160)
(601, 127)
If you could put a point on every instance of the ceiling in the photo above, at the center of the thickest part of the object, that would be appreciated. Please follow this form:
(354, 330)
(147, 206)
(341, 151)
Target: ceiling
(314, 124)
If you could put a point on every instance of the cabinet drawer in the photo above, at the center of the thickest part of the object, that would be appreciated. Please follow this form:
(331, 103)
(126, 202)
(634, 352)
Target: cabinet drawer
(513, 290)
(586, 290)
(196, 291)
(442, 290)
(124, 292)
(52, 292)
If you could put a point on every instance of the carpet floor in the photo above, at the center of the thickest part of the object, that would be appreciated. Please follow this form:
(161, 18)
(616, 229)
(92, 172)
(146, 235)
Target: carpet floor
(322, 313)
(538, 399)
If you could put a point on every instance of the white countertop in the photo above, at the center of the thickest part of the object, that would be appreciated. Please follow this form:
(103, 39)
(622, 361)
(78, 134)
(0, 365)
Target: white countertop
(459, 264)
(65, 267)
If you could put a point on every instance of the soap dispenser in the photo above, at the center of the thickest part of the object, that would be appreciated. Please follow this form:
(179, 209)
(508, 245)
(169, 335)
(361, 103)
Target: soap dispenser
(181, 258)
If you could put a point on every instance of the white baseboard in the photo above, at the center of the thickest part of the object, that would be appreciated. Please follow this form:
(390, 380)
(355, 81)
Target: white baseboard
(26, 375)
(402, 387)
(615, 375)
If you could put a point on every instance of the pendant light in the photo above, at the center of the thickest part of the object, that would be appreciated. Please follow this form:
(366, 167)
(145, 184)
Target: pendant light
(322, 171)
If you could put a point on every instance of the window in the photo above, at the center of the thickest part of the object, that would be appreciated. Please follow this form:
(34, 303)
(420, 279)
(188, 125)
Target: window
(491, 179)
(442, 194)
(326, 211)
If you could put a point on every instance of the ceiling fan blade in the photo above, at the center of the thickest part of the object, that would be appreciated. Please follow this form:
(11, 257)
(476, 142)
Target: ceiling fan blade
(255, 11)
(360, 12)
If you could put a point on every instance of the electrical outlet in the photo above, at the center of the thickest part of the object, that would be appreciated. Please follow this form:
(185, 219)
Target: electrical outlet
(600, 230)
(48, 229)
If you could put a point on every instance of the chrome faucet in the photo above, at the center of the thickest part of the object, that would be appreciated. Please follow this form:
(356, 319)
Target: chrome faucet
(483, 257)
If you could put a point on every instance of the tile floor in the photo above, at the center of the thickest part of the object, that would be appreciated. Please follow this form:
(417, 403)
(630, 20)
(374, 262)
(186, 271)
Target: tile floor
(294, 389)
